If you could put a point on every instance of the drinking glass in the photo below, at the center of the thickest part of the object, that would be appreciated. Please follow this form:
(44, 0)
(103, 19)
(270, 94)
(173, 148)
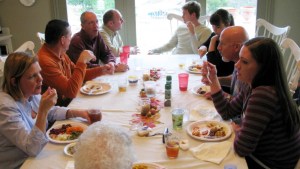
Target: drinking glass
(172, 146)
(95, 115)
(183, 81)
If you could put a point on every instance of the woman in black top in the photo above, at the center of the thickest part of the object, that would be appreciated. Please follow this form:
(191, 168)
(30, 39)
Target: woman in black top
(219, 21)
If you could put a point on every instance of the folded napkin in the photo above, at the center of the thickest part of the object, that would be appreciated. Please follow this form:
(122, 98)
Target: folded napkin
(197, 114)
(212, 151)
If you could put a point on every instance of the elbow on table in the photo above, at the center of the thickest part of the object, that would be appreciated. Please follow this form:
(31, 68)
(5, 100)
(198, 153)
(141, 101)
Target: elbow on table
(33, 152)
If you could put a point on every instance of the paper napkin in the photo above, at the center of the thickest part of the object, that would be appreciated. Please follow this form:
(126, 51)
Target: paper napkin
(212, 151)
(203, 114)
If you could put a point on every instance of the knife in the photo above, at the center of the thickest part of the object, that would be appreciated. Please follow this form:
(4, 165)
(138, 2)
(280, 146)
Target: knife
(165, 134)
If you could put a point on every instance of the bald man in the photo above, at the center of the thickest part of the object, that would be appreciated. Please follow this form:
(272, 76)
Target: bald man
(231, 42)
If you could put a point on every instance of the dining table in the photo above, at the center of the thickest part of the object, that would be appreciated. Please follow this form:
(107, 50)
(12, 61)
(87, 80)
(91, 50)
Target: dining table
(119, 108)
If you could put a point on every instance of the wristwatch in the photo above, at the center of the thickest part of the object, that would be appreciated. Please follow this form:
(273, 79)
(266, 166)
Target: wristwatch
(27, 2)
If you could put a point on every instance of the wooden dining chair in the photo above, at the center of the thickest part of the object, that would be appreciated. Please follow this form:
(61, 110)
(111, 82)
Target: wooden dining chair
(291, 59)
(26, 46)
(266, 29)
(41, 37)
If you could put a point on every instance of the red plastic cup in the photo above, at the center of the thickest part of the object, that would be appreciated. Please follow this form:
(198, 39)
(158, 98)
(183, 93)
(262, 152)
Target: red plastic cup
(126, 49)
(123, 57)
(183, 81)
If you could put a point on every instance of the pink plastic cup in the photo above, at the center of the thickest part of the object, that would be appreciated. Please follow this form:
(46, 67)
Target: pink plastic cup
(123, 57)
(126, 49)
(183, 81)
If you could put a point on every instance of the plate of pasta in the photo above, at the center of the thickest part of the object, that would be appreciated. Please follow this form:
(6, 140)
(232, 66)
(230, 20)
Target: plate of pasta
(147, 166)
(209, 130)
(66, 133)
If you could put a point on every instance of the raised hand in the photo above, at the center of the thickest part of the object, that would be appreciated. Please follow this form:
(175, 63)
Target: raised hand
(48, 100)
(86, 56)
(191, 27)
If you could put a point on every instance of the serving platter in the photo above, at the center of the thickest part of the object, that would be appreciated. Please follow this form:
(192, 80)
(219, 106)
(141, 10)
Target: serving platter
(209, 130)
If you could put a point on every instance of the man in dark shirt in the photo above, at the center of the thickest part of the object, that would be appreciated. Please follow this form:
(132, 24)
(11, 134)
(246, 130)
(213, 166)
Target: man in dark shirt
(88, 38)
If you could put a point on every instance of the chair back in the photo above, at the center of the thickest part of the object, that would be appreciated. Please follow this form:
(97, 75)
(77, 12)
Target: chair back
(27, 46)
(291, 60)
(41, 37)
(176, 17)
(266, 29)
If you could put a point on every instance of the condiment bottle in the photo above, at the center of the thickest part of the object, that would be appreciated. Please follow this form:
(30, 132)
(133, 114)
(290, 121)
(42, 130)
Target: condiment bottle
(168, 95)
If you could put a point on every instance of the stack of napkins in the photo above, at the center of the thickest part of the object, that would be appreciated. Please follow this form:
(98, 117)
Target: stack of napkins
(212, 151)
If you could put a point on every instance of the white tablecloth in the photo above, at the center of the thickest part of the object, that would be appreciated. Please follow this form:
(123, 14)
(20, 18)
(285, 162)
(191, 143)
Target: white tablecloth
(118, 107)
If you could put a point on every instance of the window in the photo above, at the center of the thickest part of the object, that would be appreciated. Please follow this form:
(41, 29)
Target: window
(76, 7)
(244, 12)
(153, 27)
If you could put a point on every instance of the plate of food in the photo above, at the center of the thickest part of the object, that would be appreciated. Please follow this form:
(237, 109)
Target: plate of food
(147, 166)
(95, 88)
(69, 149)
(197, 69)
(66, 133)
(209, 130)
(200, 90)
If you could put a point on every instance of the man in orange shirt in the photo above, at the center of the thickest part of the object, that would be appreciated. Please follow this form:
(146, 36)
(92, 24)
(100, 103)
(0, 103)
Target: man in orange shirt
(58, 71)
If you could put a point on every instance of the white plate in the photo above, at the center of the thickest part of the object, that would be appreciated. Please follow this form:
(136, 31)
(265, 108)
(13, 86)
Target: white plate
(67, 148)
(59, 126)
(203, 88)
(204, 125)
(191, 70)
(148, 165)
(95, 88)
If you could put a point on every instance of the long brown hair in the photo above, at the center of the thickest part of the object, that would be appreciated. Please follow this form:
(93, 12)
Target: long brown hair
(267, 54)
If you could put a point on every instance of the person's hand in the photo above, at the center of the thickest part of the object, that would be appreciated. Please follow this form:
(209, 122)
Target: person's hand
(209, 73)
(202, 51)
(135, 50)
(121, 67)
(79, 113)
(108, 68)
(86, 56)
(191, 27)
(48, 100)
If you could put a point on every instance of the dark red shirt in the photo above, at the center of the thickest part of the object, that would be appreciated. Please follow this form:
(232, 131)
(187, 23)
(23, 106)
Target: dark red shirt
(81, 41)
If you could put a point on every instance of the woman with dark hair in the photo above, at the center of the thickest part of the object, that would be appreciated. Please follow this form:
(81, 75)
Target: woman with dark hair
(24, 112)
(268, 136)
(219, 21)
